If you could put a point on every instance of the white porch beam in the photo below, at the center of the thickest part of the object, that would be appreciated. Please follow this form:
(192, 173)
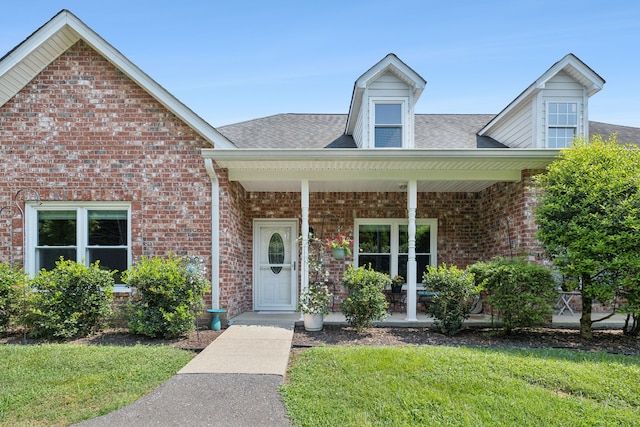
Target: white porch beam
(412, 280)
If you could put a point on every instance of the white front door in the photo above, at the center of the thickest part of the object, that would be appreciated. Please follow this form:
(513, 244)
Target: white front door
(274, 260)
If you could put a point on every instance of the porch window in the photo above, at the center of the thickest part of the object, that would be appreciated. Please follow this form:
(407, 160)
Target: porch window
(385, 245)
(89, 233)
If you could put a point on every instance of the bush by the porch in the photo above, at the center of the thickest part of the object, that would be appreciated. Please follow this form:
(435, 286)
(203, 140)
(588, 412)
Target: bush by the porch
(12, 281)
(453, 290)
(523, 294)
(71, 300)
(168, 296)
(366, 301)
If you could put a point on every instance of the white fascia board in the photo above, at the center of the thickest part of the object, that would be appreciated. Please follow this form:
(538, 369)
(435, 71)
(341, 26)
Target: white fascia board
(66, 18)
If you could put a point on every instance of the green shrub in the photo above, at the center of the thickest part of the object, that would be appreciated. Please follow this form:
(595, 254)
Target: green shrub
(69, 301)
(12, 282)
(454, 290)
(168, 295)
(366, 301)
(523, 294)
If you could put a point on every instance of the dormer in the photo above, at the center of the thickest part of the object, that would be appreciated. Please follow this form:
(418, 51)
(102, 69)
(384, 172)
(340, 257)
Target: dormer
(381, 114)
(551, 111)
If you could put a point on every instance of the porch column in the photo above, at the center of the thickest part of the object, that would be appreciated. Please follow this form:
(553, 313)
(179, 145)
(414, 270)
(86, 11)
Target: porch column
(215, 234)
(304, 256)
(412, 278)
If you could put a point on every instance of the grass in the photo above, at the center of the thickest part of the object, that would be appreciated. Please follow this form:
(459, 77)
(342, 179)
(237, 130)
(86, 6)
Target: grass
(444, 386)
(62, 384)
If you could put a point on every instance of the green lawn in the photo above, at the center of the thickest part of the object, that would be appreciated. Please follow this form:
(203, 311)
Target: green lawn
(444, 386)
(62, 384)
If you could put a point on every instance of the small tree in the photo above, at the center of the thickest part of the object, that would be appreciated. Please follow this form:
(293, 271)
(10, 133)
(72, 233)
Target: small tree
(588, 219)
(522, 293)
(168, 293)
(366, 301)
(12, 282)
(453, 296)
(71, 300)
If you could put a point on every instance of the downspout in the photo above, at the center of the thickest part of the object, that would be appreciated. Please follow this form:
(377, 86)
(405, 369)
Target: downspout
(215, 234)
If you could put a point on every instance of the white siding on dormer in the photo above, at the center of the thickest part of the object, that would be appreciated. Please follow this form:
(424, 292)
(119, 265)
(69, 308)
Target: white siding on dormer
(360, 128)
(516, 132)
(388, 85)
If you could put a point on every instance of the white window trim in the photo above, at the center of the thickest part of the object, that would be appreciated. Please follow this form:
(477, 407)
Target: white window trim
(31, 230)
(394, 241)
(372, 120)
(578, 126)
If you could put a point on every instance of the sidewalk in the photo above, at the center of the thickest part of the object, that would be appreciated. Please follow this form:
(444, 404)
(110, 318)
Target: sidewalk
(232, 382)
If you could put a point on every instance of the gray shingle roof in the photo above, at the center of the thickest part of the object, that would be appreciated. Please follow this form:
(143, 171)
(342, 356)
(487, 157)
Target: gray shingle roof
(432, 131)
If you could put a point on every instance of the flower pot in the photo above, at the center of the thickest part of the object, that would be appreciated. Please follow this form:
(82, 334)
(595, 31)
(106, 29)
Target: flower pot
(313, 322)
(338, 253)
(396, 289)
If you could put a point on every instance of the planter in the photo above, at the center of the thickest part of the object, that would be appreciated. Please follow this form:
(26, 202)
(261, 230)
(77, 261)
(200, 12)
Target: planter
(338, 253)
(313, 322)
(396, 289)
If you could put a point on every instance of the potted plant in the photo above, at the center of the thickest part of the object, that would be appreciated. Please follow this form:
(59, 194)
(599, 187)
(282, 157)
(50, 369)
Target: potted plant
(314, 305)
(339, 246)
(396, 284)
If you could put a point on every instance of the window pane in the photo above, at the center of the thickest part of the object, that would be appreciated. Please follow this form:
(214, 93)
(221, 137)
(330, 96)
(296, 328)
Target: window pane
(47, 257)
(107, 228)
(56, 228)
(388, 114)
(423, 239)
(379, 263)
(422, 261)
(388, 137)
(110, 259)
(374, 238)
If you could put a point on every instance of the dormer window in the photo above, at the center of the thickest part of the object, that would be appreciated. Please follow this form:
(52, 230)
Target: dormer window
(388, 129)
(563, 124)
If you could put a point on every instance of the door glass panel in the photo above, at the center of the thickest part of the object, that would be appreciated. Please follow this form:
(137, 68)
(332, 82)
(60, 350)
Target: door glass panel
(276, 252)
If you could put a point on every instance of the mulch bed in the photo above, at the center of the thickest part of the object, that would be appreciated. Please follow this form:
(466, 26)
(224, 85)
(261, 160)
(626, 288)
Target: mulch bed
(613, 341)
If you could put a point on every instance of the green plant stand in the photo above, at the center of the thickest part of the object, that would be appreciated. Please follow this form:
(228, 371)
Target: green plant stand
(215, 320)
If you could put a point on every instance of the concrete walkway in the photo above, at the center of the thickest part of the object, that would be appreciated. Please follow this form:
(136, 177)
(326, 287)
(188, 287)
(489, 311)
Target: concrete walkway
(232, 382)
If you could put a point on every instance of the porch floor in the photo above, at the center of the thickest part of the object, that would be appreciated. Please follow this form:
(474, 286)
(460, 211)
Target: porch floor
(398, 320)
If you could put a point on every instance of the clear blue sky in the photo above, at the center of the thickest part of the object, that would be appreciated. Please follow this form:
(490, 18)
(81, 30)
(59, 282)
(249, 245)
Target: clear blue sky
(231, 61)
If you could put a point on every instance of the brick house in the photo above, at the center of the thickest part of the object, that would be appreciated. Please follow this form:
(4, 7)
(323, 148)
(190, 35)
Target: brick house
(118, 168)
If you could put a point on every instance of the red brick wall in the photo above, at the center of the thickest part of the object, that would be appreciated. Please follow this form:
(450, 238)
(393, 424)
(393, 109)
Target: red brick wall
(83, 131)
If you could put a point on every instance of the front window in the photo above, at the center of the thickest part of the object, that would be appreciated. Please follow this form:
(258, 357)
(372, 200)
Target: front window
(563, 124)
(388, 125)
(385, 245)
(80, 233)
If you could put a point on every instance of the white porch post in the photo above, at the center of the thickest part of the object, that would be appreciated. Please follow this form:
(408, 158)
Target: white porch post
(304, 257)
(412, 278)
(215, 234)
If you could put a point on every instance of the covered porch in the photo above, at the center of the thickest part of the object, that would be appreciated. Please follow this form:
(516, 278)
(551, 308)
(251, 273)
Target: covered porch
(477, 204)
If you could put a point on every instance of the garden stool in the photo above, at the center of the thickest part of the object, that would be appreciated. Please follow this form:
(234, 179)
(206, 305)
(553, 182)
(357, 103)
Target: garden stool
(215, 321)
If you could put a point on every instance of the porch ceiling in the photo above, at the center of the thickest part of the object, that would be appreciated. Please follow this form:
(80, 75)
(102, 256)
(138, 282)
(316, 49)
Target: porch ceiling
(377, 170)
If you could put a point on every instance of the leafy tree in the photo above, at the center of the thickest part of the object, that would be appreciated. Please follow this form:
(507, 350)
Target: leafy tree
(589, 219)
